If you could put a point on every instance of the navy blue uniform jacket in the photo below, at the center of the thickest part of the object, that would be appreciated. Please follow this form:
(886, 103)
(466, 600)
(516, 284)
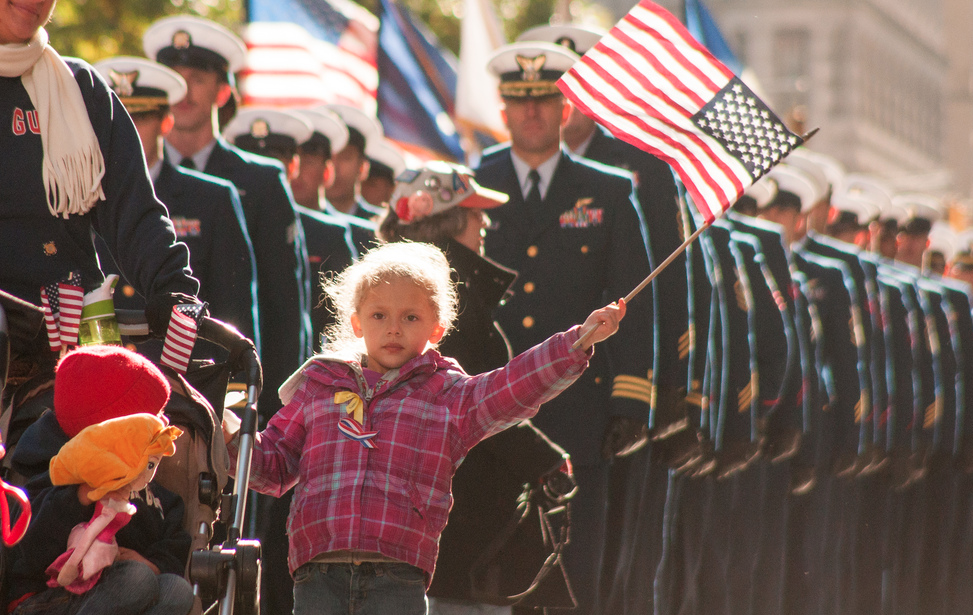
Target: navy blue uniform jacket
(208, 218)
(38, 248)
(583, 248)
(279, 246)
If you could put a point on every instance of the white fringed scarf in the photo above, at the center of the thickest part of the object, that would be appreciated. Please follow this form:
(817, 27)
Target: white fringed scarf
(73, 163)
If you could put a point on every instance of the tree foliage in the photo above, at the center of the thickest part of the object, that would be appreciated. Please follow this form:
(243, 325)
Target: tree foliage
(97, 29)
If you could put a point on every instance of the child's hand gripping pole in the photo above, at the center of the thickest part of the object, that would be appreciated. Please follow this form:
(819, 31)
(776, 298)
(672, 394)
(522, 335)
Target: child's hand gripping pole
(601, 324)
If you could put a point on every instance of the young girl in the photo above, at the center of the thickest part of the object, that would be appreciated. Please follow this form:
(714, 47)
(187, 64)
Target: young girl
(374, 428)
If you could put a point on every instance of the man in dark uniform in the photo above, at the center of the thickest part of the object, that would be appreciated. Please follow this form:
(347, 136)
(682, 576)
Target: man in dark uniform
(572, 229)
(329, 238)
(385, 163)
(351, 164)
(277, 133)
(46, 230)
(203, 209)
(637, 493)
(207, 55)
(317, 174)
(812, 578)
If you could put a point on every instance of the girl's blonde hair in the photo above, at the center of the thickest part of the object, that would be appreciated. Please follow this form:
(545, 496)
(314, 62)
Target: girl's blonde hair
(421, 263)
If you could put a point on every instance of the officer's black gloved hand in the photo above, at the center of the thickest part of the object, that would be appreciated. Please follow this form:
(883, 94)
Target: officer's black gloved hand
(624, 436)
(159, 308)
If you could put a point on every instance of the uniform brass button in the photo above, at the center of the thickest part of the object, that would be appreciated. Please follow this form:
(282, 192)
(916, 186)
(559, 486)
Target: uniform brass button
(529, 287)
(532, 251)
(597, 379)
(128, 291)
(528, 322)
(584, 249)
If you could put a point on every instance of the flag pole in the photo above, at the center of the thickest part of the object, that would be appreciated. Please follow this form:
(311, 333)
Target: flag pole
(648, 279)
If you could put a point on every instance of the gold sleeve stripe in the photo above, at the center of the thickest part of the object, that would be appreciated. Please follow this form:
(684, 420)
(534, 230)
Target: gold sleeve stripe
(630, 387)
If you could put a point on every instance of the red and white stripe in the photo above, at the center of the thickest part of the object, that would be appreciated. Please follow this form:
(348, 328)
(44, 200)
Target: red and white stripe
(71, 299)
(50, 321)
(644, 81)
(180, 339)
(286, 66)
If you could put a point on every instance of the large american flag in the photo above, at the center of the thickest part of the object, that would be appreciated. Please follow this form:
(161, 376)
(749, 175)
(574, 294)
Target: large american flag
(653, 85)
(309, 52)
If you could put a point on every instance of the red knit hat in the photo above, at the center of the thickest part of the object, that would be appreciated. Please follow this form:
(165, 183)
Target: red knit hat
(96, 383)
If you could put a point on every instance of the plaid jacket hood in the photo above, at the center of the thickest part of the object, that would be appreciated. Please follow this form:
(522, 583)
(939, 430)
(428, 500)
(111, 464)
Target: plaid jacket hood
(393, 499)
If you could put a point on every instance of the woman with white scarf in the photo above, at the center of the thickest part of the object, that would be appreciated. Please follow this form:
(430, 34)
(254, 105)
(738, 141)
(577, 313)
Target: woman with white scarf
(71, 164)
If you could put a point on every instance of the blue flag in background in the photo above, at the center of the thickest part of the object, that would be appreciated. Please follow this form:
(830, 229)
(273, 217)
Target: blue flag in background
(701, 25)
(417, 85)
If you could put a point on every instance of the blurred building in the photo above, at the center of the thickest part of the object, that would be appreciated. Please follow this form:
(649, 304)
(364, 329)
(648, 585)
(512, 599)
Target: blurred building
(888, 82)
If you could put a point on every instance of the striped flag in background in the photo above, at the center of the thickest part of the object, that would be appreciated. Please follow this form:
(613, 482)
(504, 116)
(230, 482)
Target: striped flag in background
(181, 336)
(308, 52)
(653, 85)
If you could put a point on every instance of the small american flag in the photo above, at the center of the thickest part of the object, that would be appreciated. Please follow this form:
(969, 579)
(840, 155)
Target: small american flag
(181, 335)
(49, 301)
(653, 85)
(71, 298)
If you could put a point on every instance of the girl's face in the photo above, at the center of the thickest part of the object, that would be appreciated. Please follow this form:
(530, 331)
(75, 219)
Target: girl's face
(398, 322)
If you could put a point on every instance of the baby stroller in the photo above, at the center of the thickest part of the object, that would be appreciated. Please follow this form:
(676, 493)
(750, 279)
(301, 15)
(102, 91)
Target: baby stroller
(199, 470)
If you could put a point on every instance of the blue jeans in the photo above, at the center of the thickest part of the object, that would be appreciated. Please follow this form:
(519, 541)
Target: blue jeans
(125, 588)
(362, 589)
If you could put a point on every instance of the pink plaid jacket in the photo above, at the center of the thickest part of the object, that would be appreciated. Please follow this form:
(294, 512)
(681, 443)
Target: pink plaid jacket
(394, 498)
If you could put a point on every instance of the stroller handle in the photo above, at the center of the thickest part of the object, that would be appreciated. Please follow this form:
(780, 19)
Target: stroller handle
(243, 353)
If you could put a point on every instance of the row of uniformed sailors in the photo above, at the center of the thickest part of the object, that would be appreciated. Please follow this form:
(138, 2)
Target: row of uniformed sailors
(830, 419)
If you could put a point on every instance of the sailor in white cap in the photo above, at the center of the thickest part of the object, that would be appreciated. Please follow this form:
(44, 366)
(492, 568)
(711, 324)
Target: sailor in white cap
(794, 195)
(206, 55)
(942, 248)
(573, 231)
(856, 203)
(822, 171)
(270, 132)
(385, 162)
(316, 172)
(351, 163)
(205, 211)
(915, 214)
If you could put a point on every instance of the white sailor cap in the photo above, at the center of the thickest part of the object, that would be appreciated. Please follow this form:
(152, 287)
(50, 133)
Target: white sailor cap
(578, 39)
(330, 133)
(437, 187)
(943, 239)
(142, 85)
(362, 127)
(383, 153)
(530, 69)
(268, 131)
(792, 180)
(916, 212)
(863, 195)
(762, 191)
(183, 40)
(809, 162)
